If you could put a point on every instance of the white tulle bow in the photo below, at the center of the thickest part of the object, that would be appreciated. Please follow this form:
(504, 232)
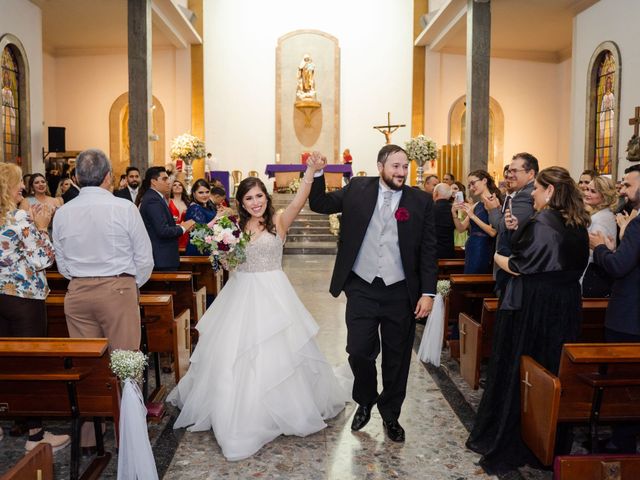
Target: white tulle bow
(431, 344)
(135, 457)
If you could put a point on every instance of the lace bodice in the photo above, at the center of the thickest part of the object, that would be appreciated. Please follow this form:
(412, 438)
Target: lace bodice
(264, 254)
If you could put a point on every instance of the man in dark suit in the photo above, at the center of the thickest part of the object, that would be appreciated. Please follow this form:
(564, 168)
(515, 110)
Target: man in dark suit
(516, 209)
(386, 265)
(161, 227)
(622, 320)
(74, 190)
(444, 221)
(130, 192)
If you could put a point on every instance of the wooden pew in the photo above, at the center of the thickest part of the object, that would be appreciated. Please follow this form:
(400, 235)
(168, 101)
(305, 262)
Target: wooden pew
(162, 331)
(466, 296)
(476, 338)
(37, 464)
(181, 286)
(596, 467)
(595, 382)
(203, 273)
(447, 266)
(64, 377)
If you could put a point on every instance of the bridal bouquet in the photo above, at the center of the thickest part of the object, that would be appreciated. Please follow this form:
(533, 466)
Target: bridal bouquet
(223, 240)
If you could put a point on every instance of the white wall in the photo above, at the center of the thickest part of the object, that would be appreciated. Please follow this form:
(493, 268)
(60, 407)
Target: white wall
(83, 88)
(607, 20)
(534, 97)
(240, 38)
(24, 20)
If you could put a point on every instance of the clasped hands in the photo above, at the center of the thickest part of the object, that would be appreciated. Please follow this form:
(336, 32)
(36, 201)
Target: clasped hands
(316, 162)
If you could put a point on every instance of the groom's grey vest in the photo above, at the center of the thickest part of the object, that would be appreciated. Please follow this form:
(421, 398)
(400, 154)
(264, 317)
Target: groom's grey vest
(379, 254)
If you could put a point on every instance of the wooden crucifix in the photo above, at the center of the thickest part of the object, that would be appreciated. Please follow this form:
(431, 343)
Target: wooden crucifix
(635, 121)
(633, 147)
(388, 129)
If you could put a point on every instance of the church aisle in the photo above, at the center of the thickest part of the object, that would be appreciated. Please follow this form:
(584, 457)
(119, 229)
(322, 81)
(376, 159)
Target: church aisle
(434, 448)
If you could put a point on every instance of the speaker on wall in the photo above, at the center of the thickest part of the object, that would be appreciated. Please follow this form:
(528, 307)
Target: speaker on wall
(56, 139)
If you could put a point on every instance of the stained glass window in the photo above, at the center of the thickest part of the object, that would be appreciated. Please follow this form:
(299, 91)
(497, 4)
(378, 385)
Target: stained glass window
(10, 128)
(605, 109)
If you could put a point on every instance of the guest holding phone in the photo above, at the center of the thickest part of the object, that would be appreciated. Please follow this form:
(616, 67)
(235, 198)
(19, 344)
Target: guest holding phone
(480, 244)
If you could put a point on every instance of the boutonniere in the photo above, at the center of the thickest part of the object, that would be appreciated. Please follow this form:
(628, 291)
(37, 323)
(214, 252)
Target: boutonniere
(402, 214)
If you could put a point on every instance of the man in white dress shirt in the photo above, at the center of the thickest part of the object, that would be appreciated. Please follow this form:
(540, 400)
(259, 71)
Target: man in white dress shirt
(103, 247)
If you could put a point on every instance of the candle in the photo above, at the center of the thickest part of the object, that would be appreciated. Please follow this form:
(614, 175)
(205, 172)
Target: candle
(277, 158)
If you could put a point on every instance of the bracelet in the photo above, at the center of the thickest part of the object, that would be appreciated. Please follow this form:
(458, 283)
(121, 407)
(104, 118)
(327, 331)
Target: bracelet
(305, 181)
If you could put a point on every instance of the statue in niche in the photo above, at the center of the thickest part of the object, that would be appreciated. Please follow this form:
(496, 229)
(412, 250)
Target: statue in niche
(306, 90)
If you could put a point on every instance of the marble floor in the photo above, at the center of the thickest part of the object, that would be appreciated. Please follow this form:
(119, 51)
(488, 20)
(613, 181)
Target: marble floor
(437, 414)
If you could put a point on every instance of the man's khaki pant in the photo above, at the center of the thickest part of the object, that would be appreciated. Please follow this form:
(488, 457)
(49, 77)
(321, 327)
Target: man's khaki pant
(103, 307)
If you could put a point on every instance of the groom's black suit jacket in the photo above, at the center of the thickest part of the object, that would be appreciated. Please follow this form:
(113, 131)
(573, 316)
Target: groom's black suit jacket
(416, 236)
(162, 229)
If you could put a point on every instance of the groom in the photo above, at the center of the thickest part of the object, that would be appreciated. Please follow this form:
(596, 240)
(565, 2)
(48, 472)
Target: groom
(386, 265)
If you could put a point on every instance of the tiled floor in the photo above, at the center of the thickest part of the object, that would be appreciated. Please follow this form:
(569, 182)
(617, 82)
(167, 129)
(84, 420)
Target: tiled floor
(436, 415)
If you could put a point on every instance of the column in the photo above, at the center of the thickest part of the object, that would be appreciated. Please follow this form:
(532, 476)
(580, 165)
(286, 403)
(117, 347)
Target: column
(476, 145)
(139, 55)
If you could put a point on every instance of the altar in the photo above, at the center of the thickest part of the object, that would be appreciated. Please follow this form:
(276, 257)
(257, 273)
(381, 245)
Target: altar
(273, 168)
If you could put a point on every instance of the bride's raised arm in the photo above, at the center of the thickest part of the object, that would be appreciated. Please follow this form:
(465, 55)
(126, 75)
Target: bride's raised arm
(283, 221)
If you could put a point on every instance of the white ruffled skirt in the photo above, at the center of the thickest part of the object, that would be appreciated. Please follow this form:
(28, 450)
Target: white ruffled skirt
(257, 372)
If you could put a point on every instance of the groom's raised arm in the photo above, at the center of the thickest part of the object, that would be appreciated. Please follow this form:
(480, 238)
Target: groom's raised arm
(321, 201)
(428, 258)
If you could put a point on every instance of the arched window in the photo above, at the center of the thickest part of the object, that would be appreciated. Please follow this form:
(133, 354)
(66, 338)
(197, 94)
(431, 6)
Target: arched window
(603, 107)
(15, 135)
(10, 106)
(605, 113)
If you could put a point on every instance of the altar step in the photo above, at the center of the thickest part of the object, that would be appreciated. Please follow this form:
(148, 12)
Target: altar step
(310, 233)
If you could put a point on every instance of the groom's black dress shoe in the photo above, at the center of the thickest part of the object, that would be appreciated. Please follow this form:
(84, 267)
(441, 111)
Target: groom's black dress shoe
(361, 417)
(394, 431)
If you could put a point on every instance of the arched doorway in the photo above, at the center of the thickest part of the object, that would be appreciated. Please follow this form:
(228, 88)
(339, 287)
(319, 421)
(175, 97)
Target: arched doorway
(496, 132)
(119, 134)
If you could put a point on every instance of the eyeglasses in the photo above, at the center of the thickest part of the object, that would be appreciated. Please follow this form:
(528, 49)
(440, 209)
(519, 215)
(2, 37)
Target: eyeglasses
(472, 183)
(513, 171)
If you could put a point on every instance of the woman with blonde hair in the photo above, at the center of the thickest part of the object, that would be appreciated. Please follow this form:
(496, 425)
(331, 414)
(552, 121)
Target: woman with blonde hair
(540, 310)
(26, 252)
(601, 200)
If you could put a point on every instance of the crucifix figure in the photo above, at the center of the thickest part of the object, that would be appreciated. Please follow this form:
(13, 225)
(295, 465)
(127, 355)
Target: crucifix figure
(388, 129)
(633, 147)
(635, 121)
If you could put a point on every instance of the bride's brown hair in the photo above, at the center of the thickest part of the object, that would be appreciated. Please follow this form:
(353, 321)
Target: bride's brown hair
(267, 219)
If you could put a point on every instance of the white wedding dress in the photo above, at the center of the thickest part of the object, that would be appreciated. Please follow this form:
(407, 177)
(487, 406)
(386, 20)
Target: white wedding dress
(257, 372)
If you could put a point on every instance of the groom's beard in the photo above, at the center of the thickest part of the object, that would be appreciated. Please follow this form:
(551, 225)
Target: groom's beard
(389, 181)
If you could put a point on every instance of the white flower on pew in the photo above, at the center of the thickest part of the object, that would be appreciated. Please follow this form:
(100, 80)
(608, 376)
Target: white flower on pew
(135, 457)
(443, 287)
(128, 364)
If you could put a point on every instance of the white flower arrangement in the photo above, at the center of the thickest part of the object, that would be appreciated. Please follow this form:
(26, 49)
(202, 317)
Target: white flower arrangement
(294, 185)
(187, 147)
(128, 364)
(421, 149)
(443, 287)
(334, 224)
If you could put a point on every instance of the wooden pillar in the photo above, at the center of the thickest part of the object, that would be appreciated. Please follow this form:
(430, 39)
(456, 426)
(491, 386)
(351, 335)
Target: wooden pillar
(197, 86)
(476, 144)
(420, 7)
(139, 54)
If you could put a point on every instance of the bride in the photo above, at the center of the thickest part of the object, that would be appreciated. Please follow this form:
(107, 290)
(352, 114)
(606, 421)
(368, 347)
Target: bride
(257, 371)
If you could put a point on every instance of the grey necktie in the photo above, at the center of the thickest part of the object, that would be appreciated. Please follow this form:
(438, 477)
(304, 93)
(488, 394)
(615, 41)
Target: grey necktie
(385, 212)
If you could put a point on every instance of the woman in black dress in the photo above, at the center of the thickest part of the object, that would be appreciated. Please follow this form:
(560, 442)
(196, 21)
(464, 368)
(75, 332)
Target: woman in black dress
(539, 312)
